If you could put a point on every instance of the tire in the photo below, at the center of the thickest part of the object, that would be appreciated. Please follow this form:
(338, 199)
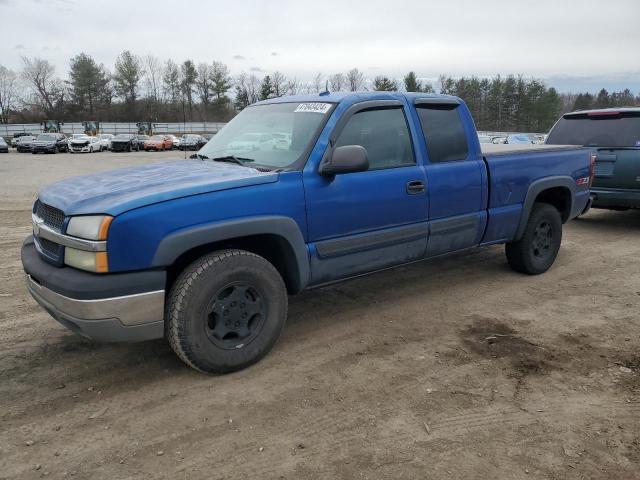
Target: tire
(538, 248)
(230, 284)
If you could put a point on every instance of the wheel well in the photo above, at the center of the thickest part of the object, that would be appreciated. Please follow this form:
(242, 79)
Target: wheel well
(273, 248)
(560, 198)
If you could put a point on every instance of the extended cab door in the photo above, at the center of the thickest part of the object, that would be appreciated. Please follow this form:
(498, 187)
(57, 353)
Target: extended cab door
(456, 175)
(364, 221)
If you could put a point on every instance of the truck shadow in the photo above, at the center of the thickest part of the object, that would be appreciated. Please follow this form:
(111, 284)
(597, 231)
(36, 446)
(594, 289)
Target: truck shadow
(67, 358)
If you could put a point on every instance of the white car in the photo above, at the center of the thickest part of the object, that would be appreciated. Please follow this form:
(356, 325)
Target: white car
(84, 144)
(105, 141)
(176, 141)
(249, 142)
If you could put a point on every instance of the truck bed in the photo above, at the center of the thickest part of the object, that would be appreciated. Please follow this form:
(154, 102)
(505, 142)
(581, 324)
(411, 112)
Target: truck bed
(513, 169)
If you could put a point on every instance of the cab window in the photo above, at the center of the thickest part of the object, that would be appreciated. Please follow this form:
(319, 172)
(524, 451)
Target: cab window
(384, 133)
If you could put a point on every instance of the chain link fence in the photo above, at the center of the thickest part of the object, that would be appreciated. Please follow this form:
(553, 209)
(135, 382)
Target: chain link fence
(7, 130)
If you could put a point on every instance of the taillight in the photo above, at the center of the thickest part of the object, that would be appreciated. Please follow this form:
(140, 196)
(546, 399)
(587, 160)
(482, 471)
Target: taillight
(592, 169)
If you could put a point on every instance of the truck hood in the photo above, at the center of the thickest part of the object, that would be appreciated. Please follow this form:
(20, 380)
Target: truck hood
(118, 191)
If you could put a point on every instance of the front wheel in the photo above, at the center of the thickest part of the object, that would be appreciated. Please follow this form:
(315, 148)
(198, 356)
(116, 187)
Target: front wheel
(225, 311)
(538, 248)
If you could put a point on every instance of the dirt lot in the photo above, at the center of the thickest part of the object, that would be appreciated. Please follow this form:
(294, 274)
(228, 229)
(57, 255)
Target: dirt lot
(458, 368)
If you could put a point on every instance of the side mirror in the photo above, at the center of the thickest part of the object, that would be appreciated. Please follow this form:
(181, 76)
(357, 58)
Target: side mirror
(345, 159)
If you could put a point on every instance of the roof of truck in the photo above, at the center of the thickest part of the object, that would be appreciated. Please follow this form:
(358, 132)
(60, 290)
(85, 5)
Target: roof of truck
(604, 111)
(337, 97)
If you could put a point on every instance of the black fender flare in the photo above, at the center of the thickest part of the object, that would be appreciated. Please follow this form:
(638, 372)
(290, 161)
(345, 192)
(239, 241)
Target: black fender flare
(535, 189)
(181, 241)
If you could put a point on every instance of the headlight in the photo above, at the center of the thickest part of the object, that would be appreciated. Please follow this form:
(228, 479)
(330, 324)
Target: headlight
(90, 227)
(83, 260)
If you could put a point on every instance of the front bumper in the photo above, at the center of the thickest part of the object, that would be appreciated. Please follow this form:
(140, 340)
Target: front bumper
(124, 307)
(43, 148)
(615, 198)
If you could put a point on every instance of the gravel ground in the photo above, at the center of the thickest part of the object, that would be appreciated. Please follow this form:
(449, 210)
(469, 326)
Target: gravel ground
(456, 368)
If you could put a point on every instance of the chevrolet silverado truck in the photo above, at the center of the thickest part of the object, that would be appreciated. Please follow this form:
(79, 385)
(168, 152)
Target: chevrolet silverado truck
(206, 251)
(613, 135)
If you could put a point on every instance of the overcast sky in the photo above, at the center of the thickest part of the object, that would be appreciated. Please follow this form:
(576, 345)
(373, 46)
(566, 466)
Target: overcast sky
(572, 44)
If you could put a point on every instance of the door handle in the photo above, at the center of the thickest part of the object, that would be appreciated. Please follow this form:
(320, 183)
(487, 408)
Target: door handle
(415, 186)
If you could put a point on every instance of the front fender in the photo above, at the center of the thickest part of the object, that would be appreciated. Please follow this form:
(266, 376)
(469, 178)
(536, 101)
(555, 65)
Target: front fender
(181, 241)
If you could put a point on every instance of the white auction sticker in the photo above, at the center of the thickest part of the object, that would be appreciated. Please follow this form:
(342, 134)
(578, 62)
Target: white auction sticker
(313, 107)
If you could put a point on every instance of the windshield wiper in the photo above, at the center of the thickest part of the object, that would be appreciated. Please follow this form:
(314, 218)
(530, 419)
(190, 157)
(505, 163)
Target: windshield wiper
(232, 159)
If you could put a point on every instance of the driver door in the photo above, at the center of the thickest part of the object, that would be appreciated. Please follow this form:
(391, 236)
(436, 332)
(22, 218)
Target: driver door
(365, 221)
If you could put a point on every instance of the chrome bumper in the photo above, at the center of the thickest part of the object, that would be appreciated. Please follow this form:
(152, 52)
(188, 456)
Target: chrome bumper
(128, 318)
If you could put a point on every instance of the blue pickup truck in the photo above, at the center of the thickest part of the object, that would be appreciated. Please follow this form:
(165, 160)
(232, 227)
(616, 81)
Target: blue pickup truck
(294, 193)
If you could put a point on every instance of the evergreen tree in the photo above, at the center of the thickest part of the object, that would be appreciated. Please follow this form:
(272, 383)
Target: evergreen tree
(602, 100)
(411, 83)
(89, 84)
(126, 77)
(385, 84)
(189, 76)
(266, 88)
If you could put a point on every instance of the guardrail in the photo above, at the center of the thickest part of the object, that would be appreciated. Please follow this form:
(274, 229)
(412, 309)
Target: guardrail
(8, 129)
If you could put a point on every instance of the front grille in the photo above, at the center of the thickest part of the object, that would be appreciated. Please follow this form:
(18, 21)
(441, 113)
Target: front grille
(52, 217)
(49, 247)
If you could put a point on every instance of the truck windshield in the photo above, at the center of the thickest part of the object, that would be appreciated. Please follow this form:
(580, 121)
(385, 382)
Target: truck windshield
(615, 129)
(273, 135)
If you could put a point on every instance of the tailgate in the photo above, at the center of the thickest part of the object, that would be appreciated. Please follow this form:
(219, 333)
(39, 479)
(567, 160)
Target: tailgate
(617, 168)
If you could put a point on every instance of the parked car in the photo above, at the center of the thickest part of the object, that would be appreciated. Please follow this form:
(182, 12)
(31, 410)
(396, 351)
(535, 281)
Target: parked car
(105, 141)
(249, 142)
(518, 138)
(4, 148)
(16, 137)
(192, 141)
(50, 143)
(175, 141)
(206, 251)
(613, 135)
(498, 140)
(124, 142)
(140, 139)
(158, 142)
(24, 143)
(485, 139)
(84, 144)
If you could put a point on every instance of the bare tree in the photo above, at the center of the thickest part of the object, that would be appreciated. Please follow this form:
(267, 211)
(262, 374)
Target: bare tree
(203, 84)
(47, 89)
(337, 82)
(8, 92)
(318, 83)
(152, 76)
(294, 86)
(355, 80)
(280, 84)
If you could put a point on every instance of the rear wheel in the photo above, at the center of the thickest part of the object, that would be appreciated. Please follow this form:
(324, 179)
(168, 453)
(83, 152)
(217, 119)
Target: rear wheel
(538, 248)
(226, 311)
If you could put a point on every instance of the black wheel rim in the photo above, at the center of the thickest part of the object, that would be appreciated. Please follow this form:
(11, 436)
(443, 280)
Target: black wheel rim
(542, 240)
(235, 315)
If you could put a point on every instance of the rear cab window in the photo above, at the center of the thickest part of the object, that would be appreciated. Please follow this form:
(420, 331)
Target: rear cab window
(597, 129)
(443, 132)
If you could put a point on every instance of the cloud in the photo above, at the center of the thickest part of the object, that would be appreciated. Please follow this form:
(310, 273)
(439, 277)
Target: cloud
(256, 69)
(238, 57)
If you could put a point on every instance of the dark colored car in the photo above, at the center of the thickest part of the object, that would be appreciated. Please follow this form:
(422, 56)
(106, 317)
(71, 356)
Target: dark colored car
(613, 134)
(192, 142)
(4, 148)
(125, 142)
(25, 143)
(140, 139)
(50, 143)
